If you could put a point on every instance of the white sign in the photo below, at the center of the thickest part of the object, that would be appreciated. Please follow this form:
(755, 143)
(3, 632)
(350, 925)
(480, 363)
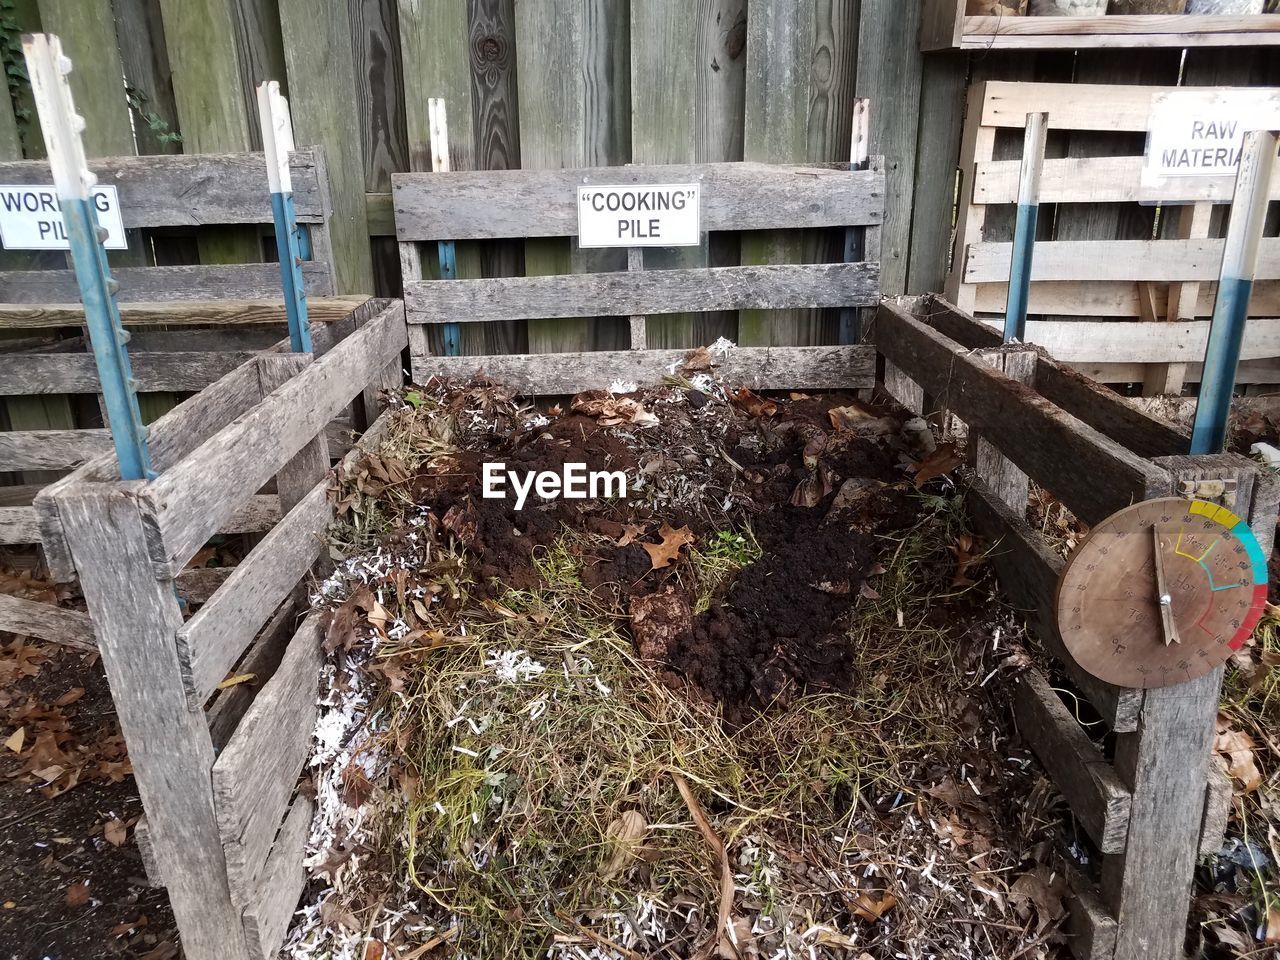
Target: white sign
(640, 215)
(31, 218)
(1196, 136)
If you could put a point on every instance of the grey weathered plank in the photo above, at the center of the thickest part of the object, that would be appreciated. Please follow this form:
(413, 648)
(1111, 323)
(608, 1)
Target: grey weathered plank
(30, 618)
(41, 373)
(1097, 798)
(769, 287)
(257, 772)
(999, 473)
(890, 67)
(51, 449)
(147, 852)
(493, 204)
(145, 61)
(942, 95)
(197, 584)
(1093, 475)
(210, 643)
(267, 920)
(190, 501)
(261, 659)
(215, 313)
(192, 189)
(761, 368)
(1028, 572)
(245, 281)
(1115, 260)
(1090, 929)
(1217, 808)
(135, 617)
(18, 525)
(1101, 408)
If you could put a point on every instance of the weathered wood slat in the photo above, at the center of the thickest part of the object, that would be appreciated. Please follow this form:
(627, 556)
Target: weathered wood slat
(491, 205)
(262, 659)
(1090, 928)
(198, 282)
(760, 368)
(18, 525)
(190, 501)
(1083, 341)
(194, 189)
(1075, 764)
(31, 374)
(769, 287)
(211, 313)
(1116, 298)
(211, 642)
(267, 920)
(255, 775)
(197, 584)
(30, 618)
(1071, 106)
(1093, 180)
(1028, 572)
(1092, 474)
(135, 618)
(1102, 260)
(1103, 409)
(50, 449)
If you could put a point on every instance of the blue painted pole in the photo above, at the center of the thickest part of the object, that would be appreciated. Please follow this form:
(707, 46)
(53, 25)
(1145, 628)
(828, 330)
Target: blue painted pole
(438, 124)
(62, 128)
(277, 142)
(1024, 231)
(1235, 285)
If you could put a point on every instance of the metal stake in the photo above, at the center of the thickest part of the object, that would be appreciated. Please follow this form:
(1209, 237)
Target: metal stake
(1024, 232)
(62, 128)
(438, 122)
(1235, 285)
(277, 144)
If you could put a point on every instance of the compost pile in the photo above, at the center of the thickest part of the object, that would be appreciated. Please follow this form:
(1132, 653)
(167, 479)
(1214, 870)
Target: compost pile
(740, 712)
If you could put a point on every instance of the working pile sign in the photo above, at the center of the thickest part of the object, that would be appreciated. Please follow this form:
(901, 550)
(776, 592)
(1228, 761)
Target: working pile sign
(640, 215)
(31, 218)
(1197, 135)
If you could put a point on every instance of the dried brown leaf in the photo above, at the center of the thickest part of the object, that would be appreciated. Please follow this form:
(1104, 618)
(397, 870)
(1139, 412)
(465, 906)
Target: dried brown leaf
(664, 553)
(115, 832)
(942, 461)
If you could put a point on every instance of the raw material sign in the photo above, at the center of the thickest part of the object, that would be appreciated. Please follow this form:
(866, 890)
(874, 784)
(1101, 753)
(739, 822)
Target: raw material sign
(1199, 133)
(31, 218)
(640, 215)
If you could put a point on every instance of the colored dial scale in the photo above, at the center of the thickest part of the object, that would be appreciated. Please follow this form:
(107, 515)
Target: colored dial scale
(1161, 592)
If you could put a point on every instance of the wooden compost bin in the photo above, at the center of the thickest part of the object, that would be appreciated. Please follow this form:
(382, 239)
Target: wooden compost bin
(1106, 297)
(1153, 808)
(218, 769)
(189, 325)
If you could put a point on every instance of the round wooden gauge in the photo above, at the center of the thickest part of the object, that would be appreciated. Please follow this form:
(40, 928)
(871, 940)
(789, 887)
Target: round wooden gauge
(1161, 593)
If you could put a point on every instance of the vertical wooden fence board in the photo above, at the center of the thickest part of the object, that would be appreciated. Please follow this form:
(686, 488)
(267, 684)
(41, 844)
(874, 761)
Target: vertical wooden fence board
(26, 17)
(322, 99)
(549, 78)
(145, 60)
(212, 109)
(937, 159)
(496, 134)
(260, 56)
(434, 51)
(780, 41)
(664, 121)
(889, 73)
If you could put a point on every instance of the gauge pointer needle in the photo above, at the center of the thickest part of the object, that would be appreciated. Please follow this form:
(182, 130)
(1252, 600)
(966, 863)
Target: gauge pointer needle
(1163, 598)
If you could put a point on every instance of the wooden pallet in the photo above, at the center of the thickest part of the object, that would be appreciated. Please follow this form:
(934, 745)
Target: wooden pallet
(444, 207)
(218, 770)
(944, 26)
(1146, 300)
(1152, 810)
(241, 303)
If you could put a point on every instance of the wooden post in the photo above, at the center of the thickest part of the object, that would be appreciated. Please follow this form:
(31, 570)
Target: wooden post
(136, 617)
(639, 333)
(1235, 285)
(439, 122)
(1165, 762)
(1005, 480)
(1024, 231)
(1194, 222)
(855, 237)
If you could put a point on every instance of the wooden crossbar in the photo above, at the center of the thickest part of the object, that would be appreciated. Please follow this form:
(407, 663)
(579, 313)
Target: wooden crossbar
(182, 284)
(466, 205)
(1102, 260)
(33, 374)
(194, 189)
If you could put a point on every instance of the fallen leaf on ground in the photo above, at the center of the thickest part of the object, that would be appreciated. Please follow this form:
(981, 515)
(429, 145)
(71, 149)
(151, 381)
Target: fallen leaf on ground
(1043, 890)
(631, 532)
(374, 950)
(872, 906)
(942, 461)
(77, 895)
(662, 554)
(697, 360)
(70, 697)
(754, 404)
(238, 679)
(1271, 935)
(1238, 747)
(115, 832)
(623, 838)
(16, 739)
